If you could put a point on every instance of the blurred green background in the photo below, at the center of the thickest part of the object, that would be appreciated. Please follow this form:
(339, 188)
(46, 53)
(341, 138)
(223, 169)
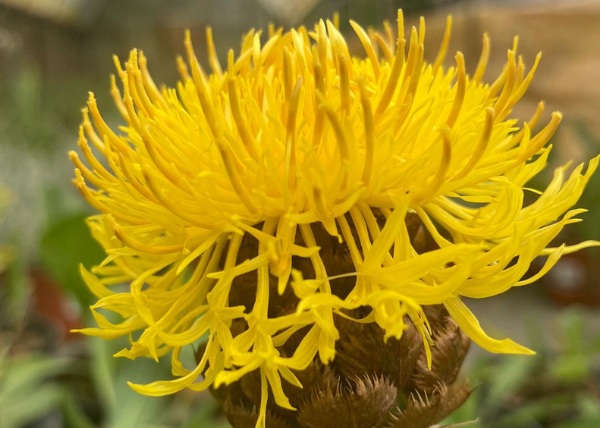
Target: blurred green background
(53, 51)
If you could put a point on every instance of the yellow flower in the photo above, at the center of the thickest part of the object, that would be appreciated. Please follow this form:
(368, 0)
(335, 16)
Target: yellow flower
(295, 132)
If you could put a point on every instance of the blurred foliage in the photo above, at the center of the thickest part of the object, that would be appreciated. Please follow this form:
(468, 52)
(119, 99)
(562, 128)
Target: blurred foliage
(79, 384)
(26, 389)
(65, 244)
(87, 393)
(22, 113)
(37, 113)
(6, 254)
(11, 295)
(558, 388)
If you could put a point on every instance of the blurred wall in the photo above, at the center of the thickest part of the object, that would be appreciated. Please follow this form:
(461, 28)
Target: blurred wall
(568, 77)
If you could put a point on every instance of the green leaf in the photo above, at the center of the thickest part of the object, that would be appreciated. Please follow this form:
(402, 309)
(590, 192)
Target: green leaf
(533, 413)
(595, 345)
(123, 407)
(135, 410)
(581, 423)
(572, 368)
(572, 328)
(103, 374)
(65, 245)
(204, 416)
(25, 375)
(509, 377)
(18, 289)
(73, 415)
(36, 404)
(589, 405)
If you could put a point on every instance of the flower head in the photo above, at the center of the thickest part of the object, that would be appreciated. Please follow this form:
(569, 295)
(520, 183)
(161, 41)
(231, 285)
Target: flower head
(256, 202)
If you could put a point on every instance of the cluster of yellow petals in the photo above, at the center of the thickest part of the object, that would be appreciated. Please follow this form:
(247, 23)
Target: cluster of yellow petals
(297, 131)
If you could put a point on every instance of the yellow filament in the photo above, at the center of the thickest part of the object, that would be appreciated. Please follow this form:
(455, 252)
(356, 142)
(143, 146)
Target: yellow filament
(198, 73)
(518, 94)
(389, 35)
(387, 53)
(440, 175)
(117, 63)
(481, 146)
(460, 90)
(183, 69)
(322, 43)
(366, 42)
(163, 167)
(520, 71)
(497, 85)
(542, 138)
(240, 122)
(515, 44)
(439, 60)
(400, 23)
(89, 156)
(392, 83)
(142, 94)
(508, 85)
(536, 115)
(290, 152)
(116, 96)
(84, 170)
(234, 177)
(350, 242)
(344, 83)
(134, 119)
(413, 51)
(288, 73)
(338, 131)
(415, 78)
(483, 59)
(141, 88)
(139, 246)
(130, 73)
(148, 82)
(369, 134)
(166, 201)
(133, 181)
(104, 129)
(208, 110)
(94, 202)
(89, 130)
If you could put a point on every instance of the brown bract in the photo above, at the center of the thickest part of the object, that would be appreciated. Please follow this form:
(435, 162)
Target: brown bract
(372, 382)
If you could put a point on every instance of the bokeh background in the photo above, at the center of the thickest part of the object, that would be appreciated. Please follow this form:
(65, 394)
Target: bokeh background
(52, 52)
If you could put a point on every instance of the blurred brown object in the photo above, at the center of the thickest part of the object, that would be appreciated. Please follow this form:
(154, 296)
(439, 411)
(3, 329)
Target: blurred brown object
(53, 306)
(289, 12)
(571, 282)
(67, 12)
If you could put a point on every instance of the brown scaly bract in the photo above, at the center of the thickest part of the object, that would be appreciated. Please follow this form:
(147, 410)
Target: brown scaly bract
(370, 377)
